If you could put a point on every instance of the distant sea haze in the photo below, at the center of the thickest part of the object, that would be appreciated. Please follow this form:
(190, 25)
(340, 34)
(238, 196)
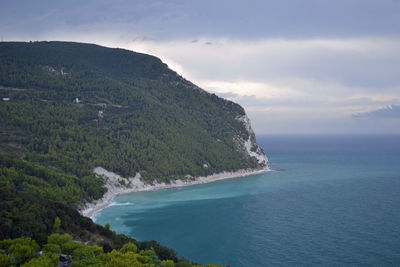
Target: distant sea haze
(331, 201)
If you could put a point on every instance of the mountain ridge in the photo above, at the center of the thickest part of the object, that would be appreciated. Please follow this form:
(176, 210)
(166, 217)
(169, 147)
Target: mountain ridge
(58, 66)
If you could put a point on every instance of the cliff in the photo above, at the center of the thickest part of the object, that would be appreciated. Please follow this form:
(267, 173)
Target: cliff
(72, 113)
(76, 106)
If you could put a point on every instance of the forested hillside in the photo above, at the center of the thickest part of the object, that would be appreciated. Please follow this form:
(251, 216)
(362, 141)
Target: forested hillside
(66, 108)
(76, 106)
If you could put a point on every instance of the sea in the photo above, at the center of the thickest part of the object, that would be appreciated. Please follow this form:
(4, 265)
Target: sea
(330, 200)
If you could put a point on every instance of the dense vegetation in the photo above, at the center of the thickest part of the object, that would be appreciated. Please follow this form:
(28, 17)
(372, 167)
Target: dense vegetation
(61, 248)
(66, 108)
(153, 121)
(32, 197)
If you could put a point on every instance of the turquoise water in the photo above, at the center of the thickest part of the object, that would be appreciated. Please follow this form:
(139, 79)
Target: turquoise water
(331, 200)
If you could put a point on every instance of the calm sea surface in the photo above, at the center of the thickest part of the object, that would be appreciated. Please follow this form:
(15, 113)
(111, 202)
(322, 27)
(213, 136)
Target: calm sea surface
(331, 201)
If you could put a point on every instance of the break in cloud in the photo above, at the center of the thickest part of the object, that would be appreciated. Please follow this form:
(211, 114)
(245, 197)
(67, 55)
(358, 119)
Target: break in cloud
(296, 66)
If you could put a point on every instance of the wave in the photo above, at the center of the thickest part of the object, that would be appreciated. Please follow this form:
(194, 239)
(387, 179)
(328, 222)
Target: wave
(121, 204)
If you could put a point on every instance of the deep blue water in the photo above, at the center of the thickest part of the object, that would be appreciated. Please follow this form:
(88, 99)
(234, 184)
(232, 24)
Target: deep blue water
(332, 201)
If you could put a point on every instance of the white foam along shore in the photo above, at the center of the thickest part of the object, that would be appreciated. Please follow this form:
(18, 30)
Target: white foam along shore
(118, 185)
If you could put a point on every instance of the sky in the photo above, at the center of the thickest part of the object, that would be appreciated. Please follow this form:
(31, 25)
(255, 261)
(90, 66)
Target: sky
(297, 67)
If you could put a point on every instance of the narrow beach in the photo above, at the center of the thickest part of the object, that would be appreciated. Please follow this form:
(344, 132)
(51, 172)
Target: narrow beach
(114, 189)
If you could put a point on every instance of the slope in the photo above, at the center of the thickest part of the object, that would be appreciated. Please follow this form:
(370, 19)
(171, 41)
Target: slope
(76, 106)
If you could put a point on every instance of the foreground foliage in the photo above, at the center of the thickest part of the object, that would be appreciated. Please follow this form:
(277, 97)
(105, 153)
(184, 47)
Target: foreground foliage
(24, 252)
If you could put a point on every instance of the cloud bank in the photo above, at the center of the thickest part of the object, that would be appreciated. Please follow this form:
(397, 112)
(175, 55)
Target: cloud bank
(298, 85)
(296, 66)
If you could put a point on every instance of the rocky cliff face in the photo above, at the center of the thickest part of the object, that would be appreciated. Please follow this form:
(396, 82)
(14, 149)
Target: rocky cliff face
(250, 145)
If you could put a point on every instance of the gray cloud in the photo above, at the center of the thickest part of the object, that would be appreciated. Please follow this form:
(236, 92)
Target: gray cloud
(328, 67)
(295, 65)
(391, 111)
(228, 18)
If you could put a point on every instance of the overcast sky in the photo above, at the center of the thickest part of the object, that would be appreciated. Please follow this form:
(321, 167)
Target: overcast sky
(309, 66)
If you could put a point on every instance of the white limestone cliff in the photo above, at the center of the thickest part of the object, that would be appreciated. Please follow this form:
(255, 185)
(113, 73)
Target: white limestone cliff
(250, 145)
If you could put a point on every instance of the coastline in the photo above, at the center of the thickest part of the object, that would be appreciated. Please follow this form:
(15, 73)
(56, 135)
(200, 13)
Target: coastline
(113, 184)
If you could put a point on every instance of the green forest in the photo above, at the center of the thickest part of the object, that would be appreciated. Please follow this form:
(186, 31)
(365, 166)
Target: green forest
(66, 108)
(133, 114)
(60, 248)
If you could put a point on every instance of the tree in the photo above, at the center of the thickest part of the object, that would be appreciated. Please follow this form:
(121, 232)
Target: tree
(129, 247)
(59, 239)
(57, 225)
(45, 260)
(69, 247)
(52, 248)
(20, 249)
(5, 261)
(168, 263)
(21, 253)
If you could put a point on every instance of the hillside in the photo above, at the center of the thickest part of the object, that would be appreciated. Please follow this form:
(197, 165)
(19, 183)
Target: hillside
(69, 108)
(76, 106)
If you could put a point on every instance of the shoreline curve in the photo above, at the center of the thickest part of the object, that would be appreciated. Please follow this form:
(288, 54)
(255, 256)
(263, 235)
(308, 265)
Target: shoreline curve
(91, 209)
